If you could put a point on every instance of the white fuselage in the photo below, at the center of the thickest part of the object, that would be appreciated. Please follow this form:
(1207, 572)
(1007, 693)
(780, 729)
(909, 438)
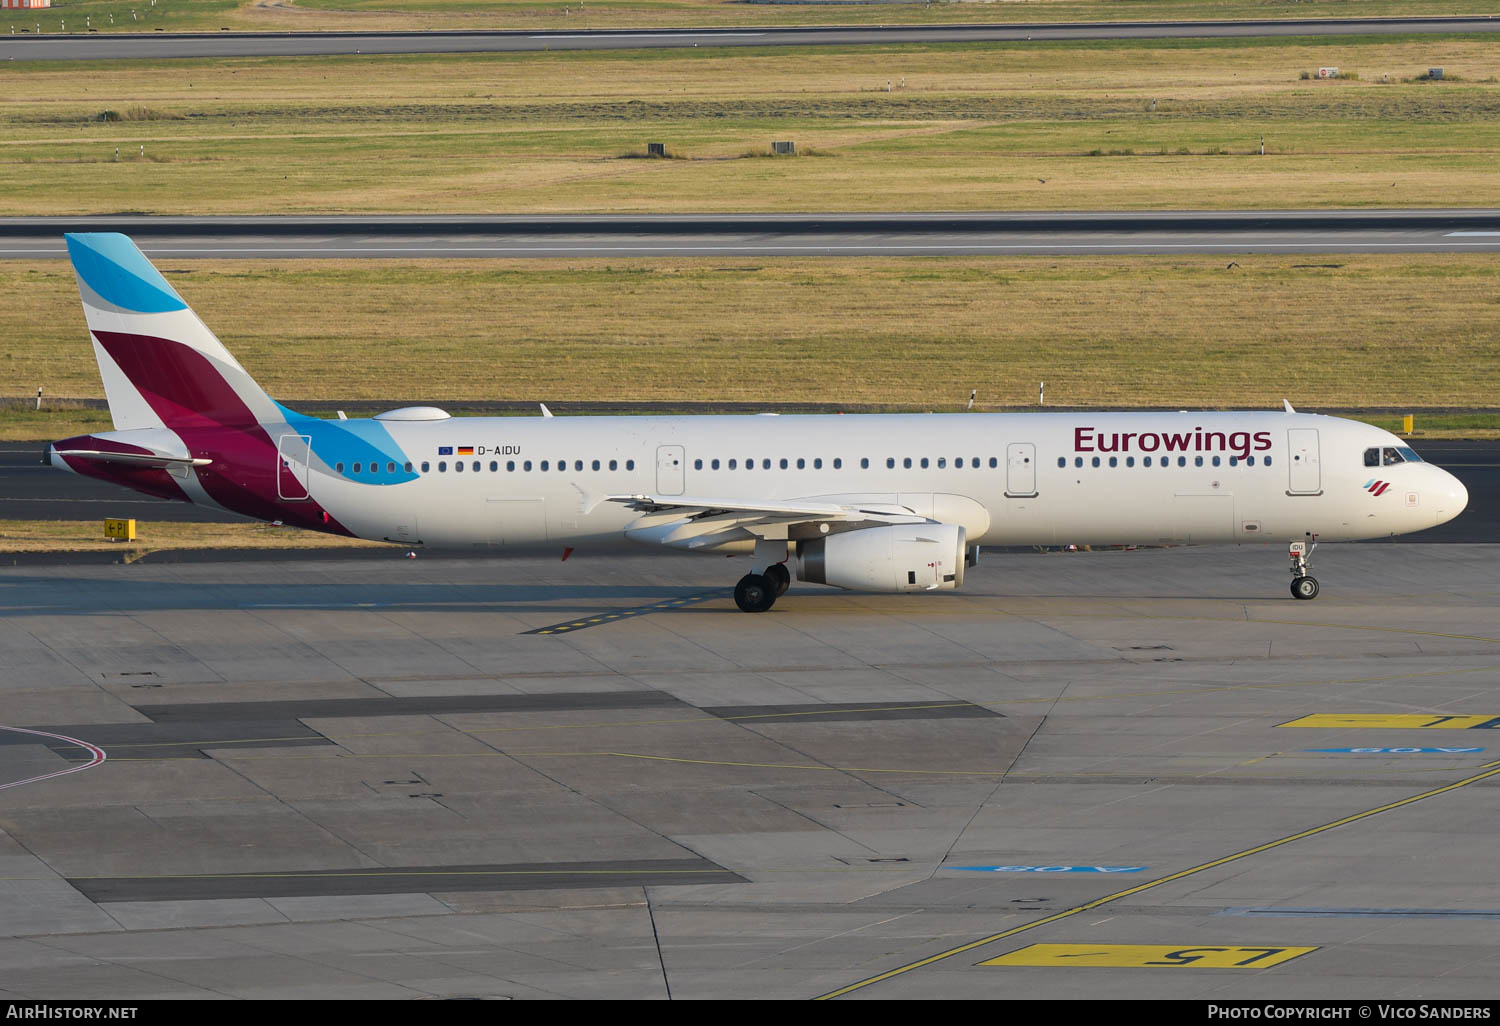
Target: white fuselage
(1008, 479)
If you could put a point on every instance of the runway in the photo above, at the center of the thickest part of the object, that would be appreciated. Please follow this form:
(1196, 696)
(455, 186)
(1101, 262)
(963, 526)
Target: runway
(31, 491)
(116, 46)
(815, 234)
(375, 780)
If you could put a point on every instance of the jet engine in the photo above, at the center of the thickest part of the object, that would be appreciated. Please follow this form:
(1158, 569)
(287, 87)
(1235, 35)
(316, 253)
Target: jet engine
(900, 557)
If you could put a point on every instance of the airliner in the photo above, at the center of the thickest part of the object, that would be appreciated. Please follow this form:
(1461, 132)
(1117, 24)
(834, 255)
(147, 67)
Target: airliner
(884, 503)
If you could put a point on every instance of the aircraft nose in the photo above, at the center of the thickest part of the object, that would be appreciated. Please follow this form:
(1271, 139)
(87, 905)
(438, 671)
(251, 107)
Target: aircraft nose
(1453, 498)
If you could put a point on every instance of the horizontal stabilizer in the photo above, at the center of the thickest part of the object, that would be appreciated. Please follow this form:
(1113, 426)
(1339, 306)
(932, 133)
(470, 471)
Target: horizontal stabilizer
(139, 459)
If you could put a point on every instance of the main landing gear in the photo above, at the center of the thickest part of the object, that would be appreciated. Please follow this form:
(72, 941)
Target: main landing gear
(1304, 585)
(758, 592)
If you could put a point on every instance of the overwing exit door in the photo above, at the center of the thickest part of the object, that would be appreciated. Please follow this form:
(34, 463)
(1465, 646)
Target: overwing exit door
(671, 469)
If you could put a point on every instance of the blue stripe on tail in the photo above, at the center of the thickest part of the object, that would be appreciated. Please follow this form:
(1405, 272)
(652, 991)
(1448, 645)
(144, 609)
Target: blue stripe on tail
(120, 274)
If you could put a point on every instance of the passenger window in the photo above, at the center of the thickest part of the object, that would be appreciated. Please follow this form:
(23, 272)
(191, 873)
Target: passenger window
(595, 465)
(630, 464)
(356, 468)
(442, 466)
(1145, 461)
(458, 466)
(390, 468)
(426, 467)
(732, 465)
(906, 463)
(476, 466)
(766, 464)
(864, 463)
(1077, 461)
(1114, 461)
(1096, 461)
(545, 465)
(890, 462)
(1250, 460)
(339, 467)
(1234, 461)
(1197, 461)
(1062, 461)
(1130, 461)
(510, 466)
(942, 463)
(408, 468)
(1372, 457)
(697, 464)
(526, 466)
(1182, 461)
(924, 462)
(578, 465)
(801, 463)
(1216, 461)
(1267, 461)
(783, 463)
(714, 464)
(613, 465)
(994, 463)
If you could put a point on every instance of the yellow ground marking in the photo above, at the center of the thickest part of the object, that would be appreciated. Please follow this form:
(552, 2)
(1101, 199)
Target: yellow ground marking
(1426, 721)
(1140, 956)
(1489, 770)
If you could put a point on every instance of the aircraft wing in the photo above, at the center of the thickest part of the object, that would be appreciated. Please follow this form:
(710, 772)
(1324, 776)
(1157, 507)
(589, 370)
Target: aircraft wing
(709, 522)
(791, 509)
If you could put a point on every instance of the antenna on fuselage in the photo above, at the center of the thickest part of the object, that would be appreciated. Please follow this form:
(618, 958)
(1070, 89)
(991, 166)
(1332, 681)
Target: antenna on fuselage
(1286, 404)
(545, 412)
(972, 393)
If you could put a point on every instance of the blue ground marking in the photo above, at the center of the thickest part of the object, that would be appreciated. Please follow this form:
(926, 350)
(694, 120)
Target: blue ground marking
(614, 615)
(1397, 751)
(1050, 869)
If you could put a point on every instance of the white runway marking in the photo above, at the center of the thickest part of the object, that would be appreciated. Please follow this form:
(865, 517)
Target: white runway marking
(98, 757)
(1451, 235)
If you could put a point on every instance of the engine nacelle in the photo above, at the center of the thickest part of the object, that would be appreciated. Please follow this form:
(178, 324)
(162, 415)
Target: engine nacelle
(901, 557)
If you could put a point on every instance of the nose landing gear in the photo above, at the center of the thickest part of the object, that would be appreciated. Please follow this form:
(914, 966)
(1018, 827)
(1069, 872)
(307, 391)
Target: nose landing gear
(1304, 585)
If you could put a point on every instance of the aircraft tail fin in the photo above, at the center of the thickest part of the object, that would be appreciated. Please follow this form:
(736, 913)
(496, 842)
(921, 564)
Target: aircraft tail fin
(161, 365)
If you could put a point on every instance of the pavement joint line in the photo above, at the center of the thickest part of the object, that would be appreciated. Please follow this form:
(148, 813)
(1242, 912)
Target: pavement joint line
(705, 719)
(710, 718)
(569, 626)
(1489, 770)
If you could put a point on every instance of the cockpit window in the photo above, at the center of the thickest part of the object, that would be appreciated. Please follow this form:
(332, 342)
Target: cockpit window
(1390, 455)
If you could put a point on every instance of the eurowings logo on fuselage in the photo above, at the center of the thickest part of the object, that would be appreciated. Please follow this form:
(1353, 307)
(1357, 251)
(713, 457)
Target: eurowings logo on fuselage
(1241, 443)
(1376, 488)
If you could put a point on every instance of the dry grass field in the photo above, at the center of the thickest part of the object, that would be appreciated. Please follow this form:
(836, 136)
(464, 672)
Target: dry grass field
(392, 15)
(915, 333)
(1141, 125)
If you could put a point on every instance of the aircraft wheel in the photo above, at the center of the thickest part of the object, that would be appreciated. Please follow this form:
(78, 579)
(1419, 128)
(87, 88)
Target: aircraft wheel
(1304, 588)
(754, 594)
(780, 577)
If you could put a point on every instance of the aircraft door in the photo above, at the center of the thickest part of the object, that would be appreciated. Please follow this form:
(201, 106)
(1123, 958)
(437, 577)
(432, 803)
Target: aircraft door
(1304, 468)
(293, 454)
(1020, 470)
(671, 469)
